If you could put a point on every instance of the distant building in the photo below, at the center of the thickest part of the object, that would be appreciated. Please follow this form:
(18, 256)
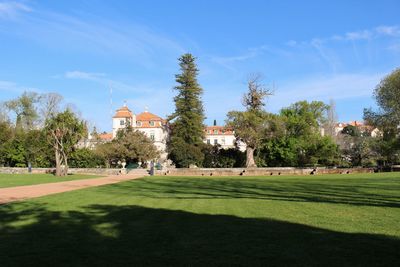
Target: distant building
(153, 126)
(222, 136)
(373, 132)
(156, 128)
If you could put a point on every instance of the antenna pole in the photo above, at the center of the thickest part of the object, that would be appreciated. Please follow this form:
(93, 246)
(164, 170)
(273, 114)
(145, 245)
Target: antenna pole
(111, 102)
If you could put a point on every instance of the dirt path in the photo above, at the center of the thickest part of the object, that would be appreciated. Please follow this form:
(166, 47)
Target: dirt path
(11, 194)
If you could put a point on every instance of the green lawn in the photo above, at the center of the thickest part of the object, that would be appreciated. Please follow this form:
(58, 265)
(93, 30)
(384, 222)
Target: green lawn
(331, 220)
(10, 180)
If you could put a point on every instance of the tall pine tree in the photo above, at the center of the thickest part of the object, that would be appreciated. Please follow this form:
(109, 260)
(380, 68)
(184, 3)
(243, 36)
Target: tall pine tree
(187, 129)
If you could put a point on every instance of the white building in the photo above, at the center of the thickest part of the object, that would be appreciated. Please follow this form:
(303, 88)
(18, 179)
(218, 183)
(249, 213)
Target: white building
(223, 136)
(362, 127)
(156, 128)
(151, 125)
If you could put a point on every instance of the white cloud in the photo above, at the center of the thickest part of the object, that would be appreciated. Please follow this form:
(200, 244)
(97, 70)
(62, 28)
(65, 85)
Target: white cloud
(340, 86)
(92, 34)
(16, 88)
(367, 34)
(253, 52)
(359, 35)
(84, 75)
(9, 10)
(9, 86)
(101, 78)
(388, 30)
(291, 43)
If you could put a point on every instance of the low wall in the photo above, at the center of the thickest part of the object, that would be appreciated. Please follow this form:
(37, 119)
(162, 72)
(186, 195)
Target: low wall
(98, 171)
(201, 171)
(258, 171)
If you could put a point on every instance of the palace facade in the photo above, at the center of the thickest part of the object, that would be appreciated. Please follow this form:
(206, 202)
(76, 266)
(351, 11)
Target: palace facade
(156, 128)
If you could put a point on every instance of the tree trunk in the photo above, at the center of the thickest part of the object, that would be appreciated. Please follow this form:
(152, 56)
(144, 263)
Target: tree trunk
(65, 164)
(58, 162)
(250, 157)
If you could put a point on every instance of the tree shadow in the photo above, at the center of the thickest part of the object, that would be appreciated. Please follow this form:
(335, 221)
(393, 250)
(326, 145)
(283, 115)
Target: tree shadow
(366, 192)
(107, 235)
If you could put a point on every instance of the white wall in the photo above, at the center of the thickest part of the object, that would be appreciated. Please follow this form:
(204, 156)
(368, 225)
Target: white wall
(226, 141)
(160, 139)
(117, 124)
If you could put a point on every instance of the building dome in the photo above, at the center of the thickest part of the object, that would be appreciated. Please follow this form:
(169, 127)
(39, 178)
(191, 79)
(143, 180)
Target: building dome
(123, 112)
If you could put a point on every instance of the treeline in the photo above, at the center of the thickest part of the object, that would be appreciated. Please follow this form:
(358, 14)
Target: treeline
(303, 134)
(39, 130)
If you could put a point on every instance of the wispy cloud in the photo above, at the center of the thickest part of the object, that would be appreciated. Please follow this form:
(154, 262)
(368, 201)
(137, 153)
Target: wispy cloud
(84, 75)
(10, 10)
(253, 52)
(340, 86)
(366, 34)
(8, 86)
(102, 79)
(229, 61)
(91, 34)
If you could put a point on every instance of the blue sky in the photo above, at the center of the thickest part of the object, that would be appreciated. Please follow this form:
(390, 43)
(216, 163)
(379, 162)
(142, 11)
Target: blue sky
(306, 50)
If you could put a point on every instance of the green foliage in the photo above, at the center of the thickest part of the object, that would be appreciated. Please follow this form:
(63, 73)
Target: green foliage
(184, 154)
(37, 150)
(216, 157)
(63, 132)
(187, 134)
(351, 131)
(130, 146)
(357, 149)
(24, 109)
(387, 119)
(6, 136)
(298, 152)
(85, 158)
(303, 118)
(297, 140)
(387, 95)
(18, 147)
(254, 124)
(15, 152)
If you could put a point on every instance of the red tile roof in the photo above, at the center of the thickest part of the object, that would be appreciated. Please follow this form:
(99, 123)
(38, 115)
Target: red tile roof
(144, 119)
(147, 116)
(123, 112)
(221, 130)
(105, 136)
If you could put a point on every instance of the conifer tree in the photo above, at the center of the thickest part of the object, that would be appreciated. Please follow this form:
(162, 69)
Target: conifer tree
(187, 129)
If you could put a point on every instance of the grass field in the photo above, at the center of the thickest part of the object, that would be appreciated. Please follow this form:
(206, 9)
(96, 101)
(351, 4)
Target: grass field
(11, 180)
(331, 220)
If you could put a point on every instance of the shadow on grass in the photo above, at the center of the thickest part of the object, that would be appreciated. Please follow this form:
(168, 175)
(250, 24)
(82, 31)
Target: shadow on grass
(107, 235)
(383, 192)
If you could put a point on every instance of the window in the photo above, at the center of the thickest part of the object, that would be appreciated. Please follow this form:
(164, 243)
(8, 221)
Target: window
(209, 131)
(223, 141)
(208, 141)
(151, 123)
(215, 131)
(122, 122)
(138, 123)
(152, 135)
(215, 141)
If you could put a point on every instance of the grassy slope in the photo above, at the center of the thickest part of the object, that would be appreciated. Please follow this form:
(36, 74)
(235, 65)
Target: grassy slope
(333, 220)
(10, 180)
